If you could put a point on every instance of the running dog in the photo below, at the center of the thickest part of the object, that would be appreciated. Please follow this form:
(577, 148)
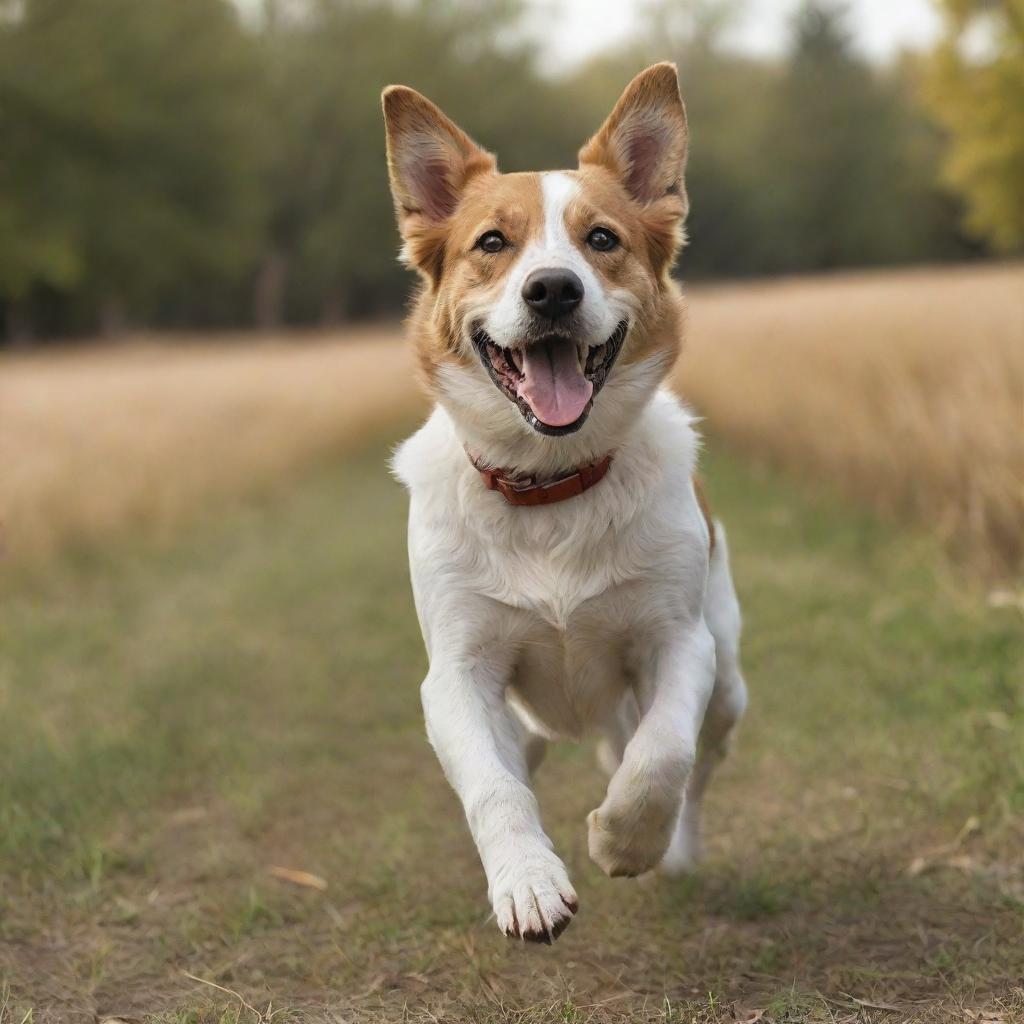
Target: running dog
(566, 572)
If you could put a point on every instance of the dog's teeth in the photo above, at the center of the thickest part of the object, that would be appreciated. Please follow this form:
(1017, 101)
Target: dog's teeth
(516, 358)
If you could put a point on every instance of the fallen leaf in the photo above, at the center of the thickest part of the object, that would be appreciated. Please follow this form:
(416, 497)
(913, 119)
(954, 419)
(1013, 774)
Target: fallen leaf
(303, 878)
(751, 1018)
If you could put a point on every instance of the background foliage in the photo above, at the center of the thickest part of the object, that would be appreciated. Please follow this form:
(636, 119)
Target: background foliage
(195, 163)
(979, 98)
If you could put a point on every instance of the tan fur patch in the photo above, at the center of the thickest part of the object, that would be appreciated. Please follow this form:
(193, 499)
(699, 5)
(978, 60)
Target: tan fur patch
(510, 203)
(640, 265)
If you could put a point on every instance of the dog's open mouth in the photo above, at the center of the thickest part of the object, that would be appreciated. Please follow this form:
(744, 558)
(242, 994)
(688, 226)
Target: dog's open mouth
(553, 381)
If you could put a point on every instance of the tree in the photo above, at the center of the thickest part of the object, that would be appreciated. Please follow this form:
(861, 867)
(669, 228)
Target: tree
(828, 146)
(177, 163)
(38, 244)
(132, 145)
(846, 159)
(330, 243)
(976, 92)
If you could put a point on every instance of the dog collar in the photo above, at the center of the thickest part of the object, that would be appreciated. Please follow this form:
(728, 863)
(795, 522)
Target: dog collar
(518, 489)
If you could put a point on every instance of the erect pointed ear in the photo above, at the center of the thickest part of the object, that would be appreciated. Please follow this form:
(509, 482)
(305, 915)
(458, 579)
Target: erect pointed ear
(430, 158)
(643, 142)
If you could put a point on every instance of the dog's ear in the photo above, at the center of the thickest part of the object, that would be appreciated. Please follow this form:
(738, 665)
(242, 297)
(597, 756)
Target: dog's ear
(643, 142)
(430, 160)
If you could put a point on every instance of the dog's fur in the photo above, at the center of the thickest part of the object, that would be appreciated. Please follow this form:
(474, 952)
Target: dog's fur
(613, 610)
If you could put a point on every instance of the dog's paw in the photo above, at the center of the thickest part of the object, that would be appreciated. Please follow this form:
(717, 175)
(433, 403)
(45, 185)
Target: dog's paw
(537, 901)
(622, 849)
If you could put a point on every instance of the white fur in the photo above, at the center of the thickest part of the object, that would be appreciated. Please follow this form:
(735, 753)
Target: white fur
(593, 613)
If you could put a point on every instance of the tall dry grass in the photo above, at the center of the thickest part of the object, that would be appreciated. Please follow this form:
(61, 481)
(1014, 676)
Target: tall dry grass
(904, 389)
(143, 434)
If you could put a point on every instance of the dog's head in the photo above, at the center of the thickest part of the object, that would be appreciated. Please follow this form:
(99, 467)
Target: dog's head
(547, 302)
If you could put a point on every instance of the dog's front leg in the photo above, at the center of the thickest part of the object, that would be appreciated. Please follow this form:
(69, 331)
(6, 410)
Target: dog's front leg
(630, 831)
(479, 745)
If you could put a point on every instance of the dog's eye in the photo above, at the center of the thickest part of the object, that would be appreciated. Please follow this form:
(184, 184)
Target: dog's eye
(491, 241)
(602, 240)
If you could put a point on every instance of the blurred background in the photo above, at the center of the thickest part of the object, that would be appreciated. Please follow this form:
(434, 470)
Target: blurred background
(213, 780)
(203, 166)
(207, 164)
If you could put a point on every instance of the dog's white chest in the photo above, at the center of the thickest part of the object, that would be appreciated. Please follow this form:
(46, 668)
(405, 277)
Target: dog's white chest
(549, 572)
(558, 595)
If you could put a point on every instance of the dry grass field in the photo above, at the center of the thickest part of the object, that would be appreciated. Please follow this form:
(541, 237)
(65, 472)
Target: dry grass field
(904, 389)
(144, 434)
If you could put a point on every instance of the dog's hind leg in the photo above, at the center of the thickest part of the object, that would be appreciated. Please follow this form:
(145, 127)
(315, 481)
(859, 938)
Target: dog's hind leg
(725, 708)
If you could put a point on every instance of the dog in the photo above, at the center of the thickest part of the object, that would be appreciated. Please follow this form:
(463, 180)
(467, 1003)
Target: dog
(566, 573)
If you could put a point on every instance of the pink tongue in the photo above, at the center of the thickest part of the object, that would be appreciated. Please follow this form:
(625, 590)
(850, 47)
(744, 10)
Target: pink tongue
(553, 383)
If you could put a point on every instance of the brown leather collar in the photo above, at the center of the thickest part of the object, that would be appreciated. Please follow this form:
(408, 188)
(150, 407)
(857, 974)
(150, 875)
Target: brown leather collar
(526, 490)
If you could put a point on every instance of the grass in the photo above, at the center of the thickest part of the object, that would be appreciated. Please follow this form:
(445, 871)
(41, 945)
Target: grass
(180, 718)
(905, 389)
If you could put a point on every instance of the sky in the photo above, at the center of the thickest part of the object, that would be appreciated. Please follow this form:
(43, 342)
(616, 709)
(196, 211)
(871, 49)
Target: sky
(572, 30)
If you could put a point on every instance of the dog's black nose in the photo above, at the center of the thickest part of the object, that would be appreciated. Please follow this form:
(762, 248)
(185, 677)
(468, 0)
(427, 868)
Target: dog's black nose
(553, 292)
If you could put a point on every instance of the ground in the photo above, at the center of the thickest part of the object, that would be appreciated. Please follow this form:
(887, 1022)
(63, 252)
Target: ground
(181, 717)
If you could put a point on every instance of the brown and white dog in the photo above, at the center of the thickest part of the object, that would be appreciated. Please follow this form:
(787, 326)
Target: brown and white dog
(566, 576)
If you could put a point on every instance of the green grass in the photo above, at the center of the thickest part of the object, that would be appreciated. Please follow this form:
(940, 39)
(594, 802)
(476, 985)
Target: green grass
(178, 719)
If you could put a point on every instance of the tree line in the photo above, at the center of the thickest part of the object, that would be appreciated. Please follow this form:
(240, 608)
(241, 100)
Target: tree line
(196, 163)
